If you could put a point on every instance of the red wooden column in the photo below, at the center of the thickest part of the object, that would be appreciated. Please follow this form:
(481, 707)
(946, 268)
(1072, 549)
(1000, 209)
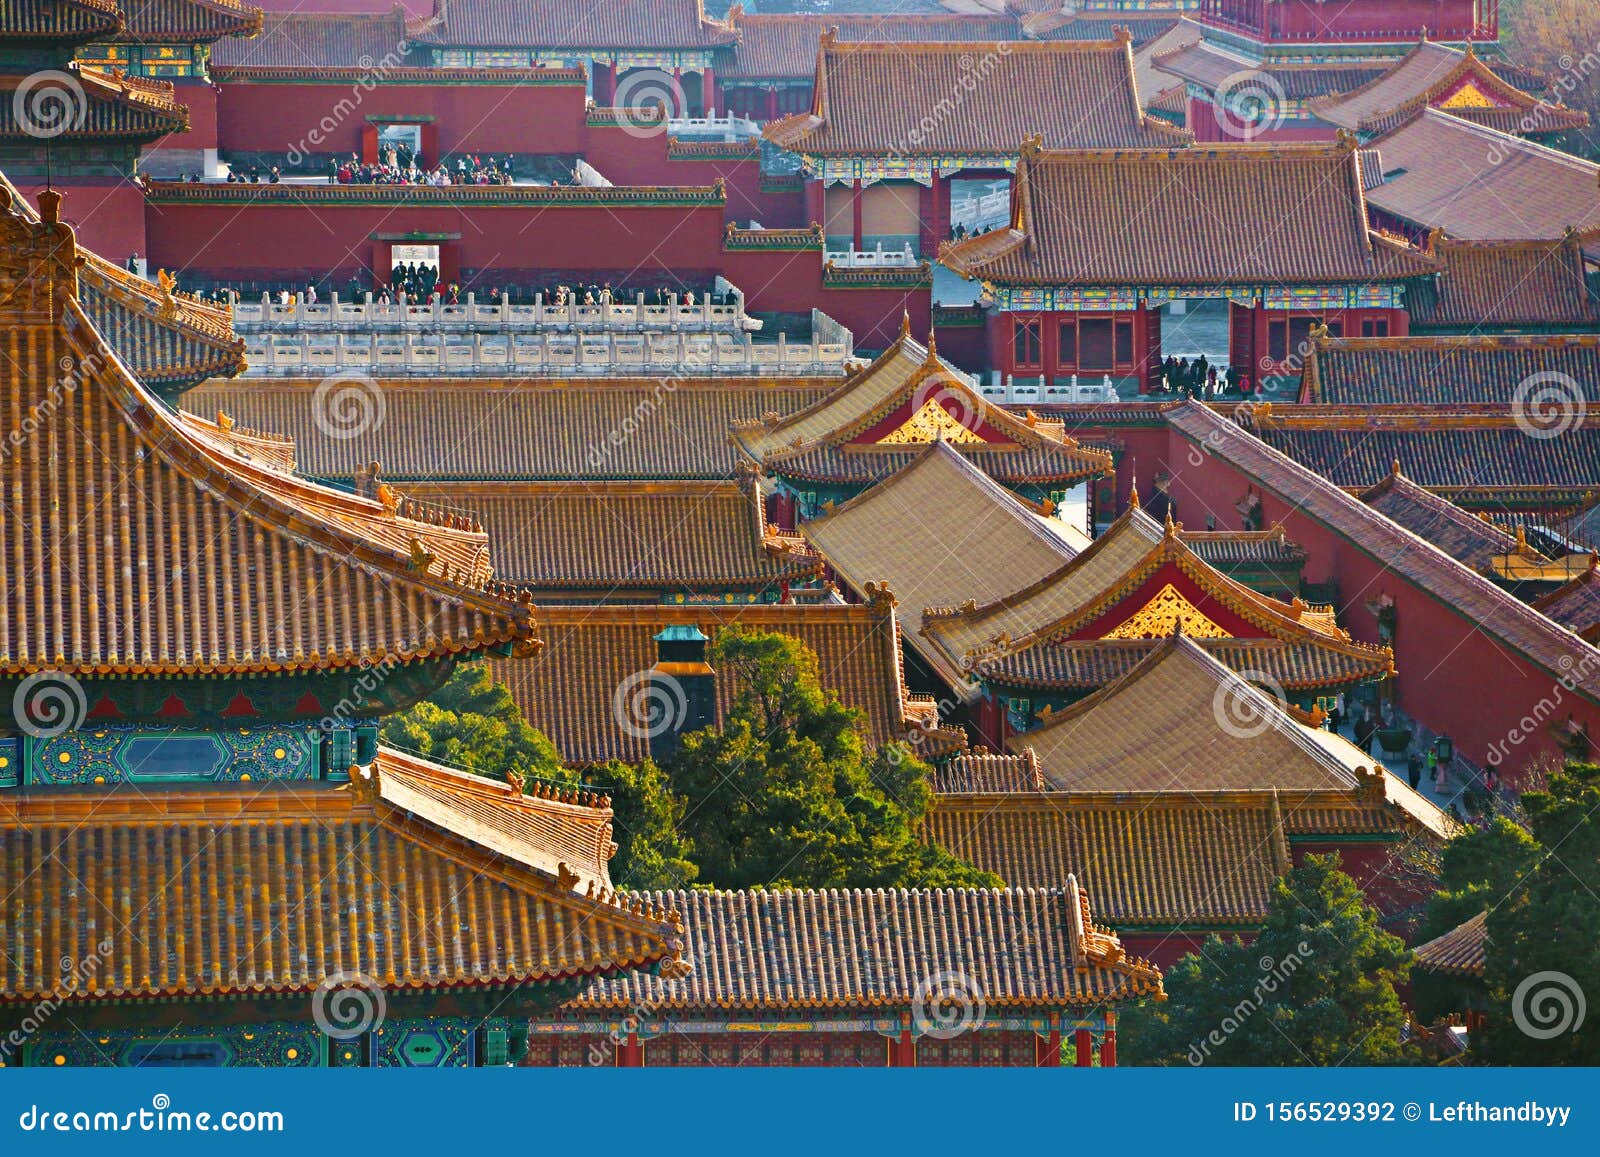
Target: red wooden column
(1083, 1046)
(708, 89)
(855, 212)
(1047, 1050)
(772, 102)
(817, 204)
(1108, 1043)
(903, 1051)
(630, 1053)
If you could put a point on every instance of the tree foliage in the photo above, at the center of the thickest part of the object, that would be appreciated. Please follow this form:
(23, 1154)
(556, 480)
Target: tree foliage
(1558, 39)
(1317, 987)
(473, 723)
(1543, 954)
(654, 851)
(788, 792)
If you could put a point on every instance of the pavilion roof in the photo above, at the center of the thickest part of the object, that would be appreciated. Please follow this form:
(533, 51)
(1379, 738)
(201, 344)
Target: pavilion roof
(891, 98)
(113, 483)
(169, 340)
(1478, 184)
(1460, 82)
(554, 537)
(1211, 66)
(883, 416)
(1172, 860)
(187, 21)
(527, 429)
(640, 24)
(807, 949)
(1466, 452)
(1060, 21)
(1487, 284)
(1500, 616)
(312, 40)
(1460, 951)
(519, 887)
(783, 45)
(1094, 618)
(1190, 216)
(938, 532)
(1153, 82)
(65, 21)
(135, 108)
(1472, 541)
(571, 689)
(1182, 721)
(1443, 370)
(989, 773)
(1576, 605)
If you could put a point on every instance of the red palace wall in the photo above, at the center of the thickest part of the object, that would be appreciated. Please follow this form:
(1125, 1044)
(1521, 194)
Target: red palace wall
(200, 98)
(475, 118)
(985, 1048)
(791, 282)
(108, 218)
(242, 240)
(1207, 129)
(1397, 20)
(1452, 675)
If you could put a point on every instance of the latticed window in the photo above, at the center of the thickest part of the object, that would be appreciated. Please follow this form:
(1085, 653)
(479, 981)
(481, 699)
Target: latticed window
(1027, 349)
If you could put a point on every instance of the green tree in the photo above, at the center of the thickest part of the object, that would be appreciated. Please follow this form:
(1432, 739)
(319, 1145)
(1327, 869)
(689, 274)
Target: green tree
(788, 792)
(1543, 956)
(1477, 868)
(473, 723)
(1317, 987)
(653, 851)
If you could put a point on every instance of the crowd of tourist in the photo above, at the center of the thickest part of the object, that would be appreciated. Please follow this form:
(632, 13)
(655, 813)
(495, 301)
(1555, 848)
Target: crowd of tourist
(1198, 379)
(402, 167)
(417, 281)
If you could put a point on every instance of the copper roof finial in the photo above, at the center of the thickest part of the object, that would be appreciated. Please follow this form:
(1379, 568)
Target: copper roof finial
(905, 323)
(1133, 496)
(1394, 468)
